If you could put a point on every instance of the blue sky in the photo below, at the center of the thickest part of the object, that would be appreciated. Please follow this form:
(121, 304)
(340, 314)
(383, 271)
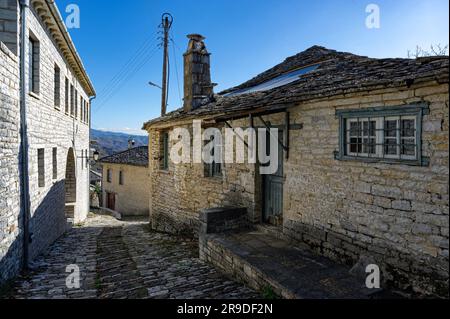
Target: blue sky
(245, 38)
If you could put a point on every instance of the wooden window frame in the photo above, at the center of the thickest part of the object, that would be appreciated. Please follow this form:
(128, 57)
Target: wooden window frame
(33, 64)
(55, 163)
(121, 179)
(381, 115)
(164, 149)
(66, 96)
(72, 100)
(41, 167)
(109, 175)
(57, 87)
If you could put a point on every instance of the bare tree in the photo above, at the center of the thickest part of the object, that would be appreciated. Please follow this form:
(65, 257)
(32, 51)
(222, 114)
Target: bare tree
(435, 50)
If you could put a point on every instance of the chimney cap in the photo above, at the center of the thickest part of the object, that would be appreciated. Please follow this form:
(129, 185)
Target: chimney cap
(196, 37)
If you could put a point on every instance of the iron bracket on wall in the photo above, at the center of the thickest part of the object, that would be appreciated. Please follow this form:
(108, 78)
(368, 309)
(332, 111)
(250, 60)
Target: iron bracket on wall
(286, 128)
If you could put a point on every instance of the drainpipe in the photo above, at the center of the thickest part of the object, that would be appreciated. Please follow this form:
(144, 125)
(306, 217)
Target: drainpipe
(89, 151)
(25, 187)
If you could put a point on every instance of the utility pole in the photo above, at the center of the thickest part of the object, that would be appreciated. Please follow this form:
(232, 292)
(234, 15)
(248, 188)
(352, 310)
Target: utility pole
(167, 21)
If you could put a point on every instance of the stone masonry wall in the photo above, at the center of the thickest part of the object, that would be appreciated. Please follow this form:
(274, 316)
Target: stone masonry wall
(394, 214)
(49, 127)
(10, 223)
(178, 194)
(132, 198)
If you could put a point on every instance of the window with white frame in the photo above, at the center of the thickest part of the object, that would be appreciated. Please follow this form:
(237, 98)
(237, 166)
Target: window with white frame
(382, 137)
(387, 134)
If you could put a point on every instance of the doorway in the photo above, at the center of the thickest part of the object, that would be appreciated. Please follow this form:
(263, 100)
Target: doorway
(111, 201)
(70, 185)
(273, 187)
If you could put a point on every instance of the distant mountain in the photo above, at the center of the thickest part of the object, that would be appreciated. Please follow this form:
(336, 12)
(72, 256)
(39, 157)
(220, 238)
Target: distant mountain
(108, 143)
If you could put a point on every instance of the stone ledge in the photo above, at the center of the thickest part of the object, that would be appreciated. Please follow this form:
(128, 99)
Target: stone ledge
(266, 263)
(219, 220)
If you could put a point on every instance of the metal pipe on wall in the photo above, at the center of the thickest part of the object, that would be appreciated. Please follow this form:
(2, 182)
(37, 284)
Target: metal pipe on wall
(25, 187)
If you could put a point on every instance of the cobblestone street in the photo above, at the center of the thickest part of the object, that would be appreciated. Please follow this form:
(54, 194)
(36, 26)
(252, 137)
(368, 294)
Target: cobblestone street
(125, 260)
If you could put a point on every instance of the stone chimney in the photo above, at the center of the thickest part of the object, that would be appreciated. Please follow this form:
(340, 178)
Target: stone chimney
(198, 88)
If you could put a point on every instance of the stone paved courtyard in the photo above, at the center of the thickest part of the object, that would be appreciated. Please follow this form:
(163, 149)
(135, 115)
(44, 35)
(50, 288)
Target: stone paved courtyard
(119, 259)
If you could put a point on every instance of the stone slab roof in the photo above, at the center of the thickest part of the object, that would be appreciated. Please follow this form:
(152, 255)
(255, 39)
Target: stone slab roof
(136, 157)
(338, 73)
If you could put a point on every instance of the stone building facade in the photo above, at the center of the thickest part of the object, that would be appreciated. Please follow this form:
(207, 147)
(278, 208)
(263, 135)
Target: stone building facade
(58, 121)
(125, 182)
(391, 211)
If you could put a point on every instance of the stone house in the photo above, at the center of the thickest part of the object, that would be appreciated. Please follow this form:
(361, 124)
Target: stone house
(126, 181)
(44, 132)
(362, 152)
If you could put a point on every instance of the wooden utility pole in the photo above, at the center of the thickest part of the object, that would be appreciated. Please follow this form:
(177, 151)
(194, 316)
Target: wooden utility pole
(167, 20)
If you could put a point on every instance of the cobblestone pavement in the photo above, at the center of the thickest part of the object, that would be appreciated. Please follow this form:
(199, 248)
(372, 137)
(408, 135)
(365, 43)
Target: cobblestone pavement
(125, 260)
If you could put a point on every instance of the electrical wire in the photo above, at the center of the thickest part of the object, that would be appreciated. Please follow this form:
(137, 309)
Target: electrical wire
(125, 79)
(176, 69)
(142, 49)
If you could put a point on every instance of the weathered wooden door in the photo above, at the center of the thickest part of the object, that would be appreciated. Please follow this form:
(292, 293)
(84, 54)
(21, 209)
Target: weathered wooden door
(111, 201)
(273, 188)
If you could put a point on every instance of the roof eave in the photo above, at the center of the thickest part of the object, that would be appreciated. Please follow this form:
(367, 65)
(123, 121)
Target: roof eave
(50, 7)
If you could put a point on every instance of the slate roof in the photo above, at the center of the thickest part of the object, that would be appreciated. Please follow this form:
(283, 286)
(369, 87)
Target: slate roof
(136, 157)
(338, 73)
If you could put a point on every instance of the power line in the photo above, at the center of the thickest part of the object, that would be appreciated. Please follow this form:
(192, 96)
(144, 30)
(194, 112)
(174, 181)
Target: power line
(142, 49)
(126, 77)
(176, 69)
(123, 75)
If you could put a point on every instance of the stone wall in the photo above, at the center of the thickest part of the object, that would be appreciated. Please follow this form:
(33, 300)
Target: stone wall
(132, 198)
(394, 214)
(178, 194)
(48, 128)
(10, 223)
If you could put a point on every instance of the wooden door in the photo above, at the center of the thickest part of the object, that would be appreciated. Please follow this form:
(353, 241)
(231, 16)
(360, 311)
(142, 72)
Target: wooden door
(111, 201)
(273, 189)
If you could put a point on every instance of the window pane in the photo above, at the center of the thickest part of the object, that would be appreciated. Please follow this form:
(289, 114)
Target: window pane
(369, 128)
(390, 147)
(390, 128)
(355, 128)
(408, 147)
(408, 129)
(355, 145)
(369, 146)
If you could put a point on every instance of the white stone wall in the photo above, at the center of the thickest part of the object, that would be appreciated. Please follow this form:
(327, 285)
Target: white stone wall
(10, 223)
(48, 128)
